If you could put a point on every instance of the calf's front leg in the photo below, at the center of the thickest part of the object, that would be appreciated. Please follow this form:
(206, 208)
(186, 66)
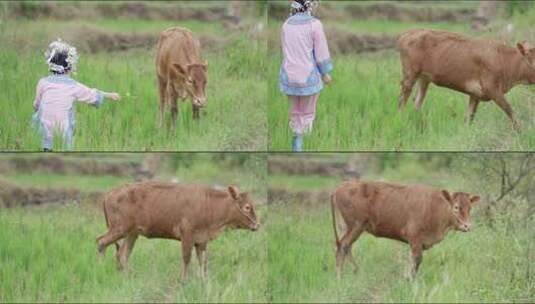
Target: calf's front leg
(417, 256)
(200, 250)
(501, 101)
(472, 108)
(187, 246)
(196, 112)
(172, 96)
(162, 90)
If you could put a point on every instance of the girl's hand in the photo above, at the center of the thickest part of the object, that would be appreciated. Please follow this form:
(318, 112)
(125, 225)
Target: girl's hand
(326, 79)
(113, 96)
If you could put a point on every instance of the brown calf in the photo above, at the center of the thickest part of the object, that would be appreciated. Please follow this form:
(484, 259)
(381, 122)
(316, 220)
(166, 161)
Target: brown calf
(180, 71)
(415, 214)
(191, 214)
(483, 69)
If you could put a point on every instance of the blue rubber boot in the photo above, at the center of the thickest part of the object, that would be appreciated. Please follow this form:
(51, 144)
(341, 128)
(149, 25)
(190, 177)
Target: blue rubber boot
(297, 143)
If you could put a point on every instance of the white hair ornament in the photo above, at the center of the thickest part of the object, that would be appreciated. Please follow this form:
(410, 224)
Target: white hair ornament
(60, 47)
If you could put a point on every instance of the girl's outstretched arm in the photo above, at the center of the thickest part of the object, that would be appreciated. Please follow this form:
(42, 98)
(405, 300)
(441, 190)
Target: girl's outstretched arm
(93, 97)
(113, 96)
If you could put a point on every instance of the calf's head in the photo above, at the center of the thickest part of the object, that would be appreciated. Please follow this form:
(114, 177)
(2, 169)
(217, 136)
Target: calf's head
(195, 77)
(528, 52)
(460, 204)
(243, 214)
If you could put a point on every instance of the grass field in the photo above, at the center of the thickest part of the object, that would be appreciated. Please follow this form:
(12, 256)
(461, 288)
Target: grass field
(484, 265)
(49, 254)
(480, 266)
(235, 119)
(359, 110)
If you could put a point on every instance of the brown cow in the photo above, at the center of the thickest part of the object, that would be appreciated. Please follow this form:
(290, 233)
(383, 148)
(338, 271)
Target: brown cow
(481, 68)
(415, 214)
(191, 214)
(181, 71)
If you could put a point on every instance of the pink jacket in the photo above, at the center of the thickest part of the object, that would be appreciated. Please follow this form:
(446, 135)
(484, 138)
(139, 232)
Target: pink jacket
(306, 56)
(54, 100)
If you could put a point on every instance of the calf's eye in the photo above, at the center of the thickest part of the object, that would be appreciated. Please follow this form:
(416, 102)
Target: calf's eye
(247, 208)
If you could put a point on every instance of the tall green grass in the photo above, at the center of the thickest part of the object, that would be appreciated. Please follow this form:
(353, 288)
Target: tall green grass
(49, 255)
(484, 265)
(359, 112)
(234, 119)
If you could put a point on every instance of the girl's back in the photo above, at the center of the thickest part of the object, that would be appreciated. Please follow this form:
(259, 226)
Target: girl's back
(56, 94)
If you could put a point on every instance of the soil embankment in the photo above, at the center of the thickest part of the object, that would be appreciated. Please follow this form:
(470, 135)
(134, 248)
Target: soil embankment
(128, 10)
(58, 165)
(302, 198)
(383, 11)
(12, 195)
(305, 167)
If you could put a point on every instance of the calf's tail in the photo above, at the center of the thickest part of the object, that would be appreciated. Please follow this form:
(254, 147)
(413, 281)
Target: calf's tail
(333, 210)
(105, 213)
(108, 224)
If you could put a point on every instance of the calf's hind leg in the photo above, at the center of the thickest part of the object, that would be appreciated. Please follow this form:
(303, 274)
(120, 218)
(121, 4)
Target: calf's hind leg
(408, 81)
(107, 239)
(423, 84)
(125, 250)
(406, 88)
(343, 251)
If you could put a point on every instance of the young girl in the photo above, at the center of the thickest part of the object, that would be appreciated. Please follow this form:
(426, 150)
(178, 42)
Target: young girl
(305, 67)
(56, 93)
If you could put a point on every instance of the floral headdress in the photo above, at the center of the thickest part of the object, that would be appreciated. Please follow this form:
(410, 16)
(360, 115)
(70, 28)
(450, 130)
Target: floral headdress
(68, 51)
(302, 6)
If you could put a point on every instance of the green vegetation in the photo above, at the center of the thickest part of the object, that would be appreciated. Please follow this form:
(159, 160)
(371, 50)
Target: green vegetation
(358, 111)
(55, 260)
(234, 118)
(489, 264)
(485, 265)
(49, 254)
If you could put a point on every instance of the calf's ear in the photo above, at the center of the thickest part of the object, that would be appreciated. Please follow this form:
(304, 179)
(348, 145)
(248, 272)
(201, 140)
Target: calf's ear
(523, 48)
(233, 192)
(474, 199)
(446, 195)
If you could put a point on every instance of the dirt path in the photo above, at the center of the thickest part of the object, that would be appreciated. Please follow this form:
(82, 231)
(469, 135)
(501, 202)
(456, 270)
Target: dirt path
(12, 195)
